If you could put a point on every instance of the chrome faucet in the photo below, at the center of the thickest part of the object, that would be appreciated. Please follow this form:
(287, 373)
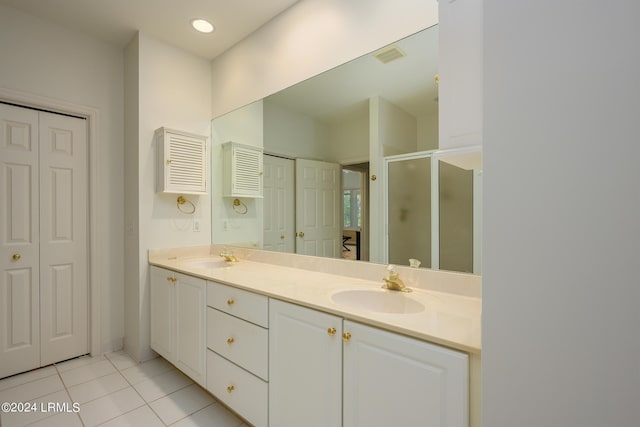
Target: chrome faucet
(393, 281)
(228, 256)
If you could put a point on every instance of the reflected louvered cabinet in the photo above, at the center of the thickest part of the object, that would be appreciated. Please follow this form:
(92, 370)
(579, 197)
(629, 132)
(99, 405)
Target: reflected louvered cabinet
(242, 170)
(182, 165)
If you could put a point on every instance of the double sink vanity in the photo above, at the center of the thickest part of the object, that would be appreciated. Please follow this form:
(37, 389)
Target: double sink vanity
(289, 340)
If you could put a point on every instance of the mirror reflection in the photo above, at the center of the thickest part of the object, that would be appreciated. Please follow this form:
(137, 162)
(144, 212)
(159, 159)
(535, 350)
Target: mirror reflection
(326, 141)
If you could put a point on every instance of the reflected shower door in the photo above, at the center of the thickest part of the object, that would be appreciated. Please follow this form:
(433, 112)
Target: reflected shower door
(409, 211)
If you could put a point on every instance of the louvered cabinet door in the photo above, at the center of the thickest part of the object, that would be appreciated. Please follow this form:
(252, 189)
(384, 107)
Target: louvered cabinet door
(181, 162)
(242, 170)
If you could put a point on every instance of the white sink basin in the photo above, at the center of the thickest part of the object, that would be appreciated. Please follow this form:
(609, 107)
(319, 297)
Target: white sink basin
(205, 264)
(379, 301)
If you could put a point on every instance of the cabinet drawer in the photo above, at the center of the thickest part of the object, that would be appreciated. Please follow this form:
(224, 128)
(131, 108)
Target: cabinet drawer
(243, 343)
(246, 305)
(241, 391)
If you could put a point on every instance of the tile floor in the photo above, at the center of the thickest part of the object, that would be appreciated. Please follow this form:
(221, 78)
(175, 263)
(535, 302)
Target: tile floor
(112, 390)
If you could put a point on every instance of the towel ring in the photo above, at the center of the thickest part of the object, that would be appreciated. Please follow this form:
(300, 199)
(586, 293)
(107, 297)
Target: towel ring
(239, 207)
(181, 201)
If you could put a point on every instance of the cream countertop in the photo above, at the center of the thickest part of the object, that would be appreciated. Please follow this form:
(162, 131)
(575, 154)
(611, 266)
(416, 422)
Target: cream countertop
(448, 319)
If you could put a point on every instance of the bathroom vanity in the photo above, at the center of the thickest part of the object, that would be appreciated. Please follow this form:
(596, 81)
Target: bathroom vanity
(283, 343)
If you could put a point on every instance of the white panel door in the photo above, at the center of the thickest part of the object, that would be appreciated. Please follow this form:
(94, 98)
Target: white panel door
(43, 238)
(318, 208)
(19, 245)
(392, 380)
(63, 237)
(279, 222)
(305, 367)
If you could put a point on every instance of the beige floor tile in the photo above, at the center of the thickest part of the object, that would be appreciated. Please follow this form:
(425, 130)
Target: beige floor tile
(213, 415)
(32, 390)
(162, 385)
(181, 404)
(99, 387)
(143, 416)
(26, 377)
(110, 406)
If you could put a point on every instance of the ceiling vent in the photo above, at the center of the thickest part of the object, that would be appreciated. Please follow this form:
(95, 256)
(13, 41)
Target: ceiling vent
(389, 54)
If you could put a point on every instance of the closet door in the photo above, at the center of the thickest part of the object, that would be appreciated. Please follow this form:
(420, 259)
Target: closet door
(63, 237)
(19, 244)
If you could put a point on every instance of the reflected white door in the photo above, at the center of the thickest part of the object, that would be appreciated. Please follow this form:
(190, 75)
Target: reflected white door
(278, 181)
(43, 239)
(19, 241)
(63, 237)
(318, 208)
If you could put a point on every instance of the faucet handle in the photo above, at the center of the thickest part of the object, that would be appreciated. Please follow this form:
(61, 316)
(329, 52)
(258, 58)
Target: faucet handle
(392, 270)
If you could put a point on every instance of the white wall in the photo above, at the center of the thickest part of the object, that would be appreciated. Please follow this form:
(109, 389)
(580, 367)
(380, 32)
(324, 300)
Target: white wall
(311, 37)
(293, 134)
(428, 131)
(349, 141)
(174, 90)
(43, 59)
(561, 287)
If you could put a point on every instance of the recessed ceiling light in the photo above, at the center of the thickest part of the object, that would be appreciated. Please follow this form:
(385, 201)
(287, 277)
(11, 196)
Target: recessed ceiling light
(202, 25)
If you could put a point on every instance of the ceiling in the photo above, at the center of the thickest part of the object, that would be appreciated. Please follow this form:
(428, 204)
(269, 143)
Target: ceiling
(117, 21)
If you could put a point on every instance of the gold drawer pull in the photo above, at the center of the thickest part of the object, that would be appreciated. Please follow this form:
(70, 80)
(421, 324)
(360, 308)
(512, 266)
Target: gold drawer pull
(346, 336)
(172, 279)
(331, 331)
(230, 301)
(230, 341)
(16, 257)
(230, 389)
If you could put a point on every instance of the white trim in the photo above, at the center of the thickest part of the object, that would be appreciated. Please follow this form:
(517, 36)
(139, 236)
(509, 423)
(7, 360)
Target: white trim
(92, 116)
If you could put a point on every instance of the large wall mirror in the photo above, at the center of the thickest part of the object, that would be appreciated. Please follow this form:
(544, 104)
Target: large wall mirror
(342, 175)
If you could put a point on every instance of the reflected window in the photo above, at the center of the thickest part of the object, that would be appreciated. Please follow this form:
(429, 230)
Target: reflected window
(351, 203)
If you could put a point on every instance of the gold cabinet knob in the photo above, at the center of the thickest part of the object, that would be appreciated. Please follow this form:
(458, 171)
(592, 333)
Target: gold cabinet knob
(331, 331)
(16, 256)
(301, 234)
(230, 301)
(230, 341)
(346, 336)
(230, 389)
(373, 177)
(282, 237)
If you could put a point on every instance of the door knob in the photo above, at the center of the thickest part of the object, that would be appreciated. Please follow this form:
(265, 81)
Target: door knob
(16, 257)
(301, 234)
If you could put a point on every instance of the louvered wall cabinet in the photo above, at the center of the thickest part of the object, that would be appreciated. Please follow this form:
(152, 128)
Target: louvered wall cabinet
(242, 170)
(182, 162)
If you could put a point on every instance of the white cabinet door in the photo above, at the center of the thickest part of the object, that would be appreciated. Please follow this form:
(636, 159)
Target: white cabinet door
(178, 309)
(163, 312)
(305, 367)
(392, 380)
(460, 70)
(191, 304)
